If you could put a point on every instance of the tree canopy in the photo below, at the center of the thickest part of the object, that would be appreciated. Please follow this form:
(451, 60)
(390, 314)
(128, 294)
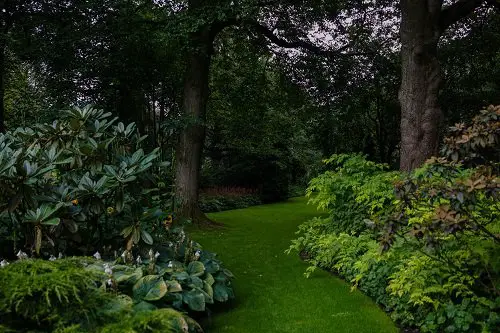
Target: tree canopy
(267, 82)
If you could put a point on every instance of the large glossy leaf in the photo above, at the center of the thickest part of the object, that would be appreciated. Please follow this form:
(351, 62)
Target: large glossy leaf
(173, 286)
(195, 282)
(146, 237)
(209, 279)
(196, 268)
(212, 266)
(221, 293)
(194, 299)
(128, 275)
(209, 297)
(174, 298)
(180, 276)
(54, 221)
(149, 288)
(208, 288)
(144, 307)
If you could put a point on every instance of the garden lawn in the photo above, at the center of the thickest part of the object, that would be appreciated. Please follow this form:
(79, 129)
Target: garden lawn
(272, 294)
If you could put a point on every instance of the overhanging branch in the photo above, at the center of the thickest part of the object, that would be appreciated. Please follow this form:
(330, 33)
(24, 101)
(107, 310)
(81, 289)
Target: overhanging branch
(299, 43)
(457, 11)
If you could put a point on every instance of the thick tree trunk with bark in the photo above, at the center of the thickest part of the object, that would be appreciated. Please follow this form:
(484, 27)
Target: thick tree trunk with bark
(4, 29)
(191, 141)
(421, 79)
(2, 86)
(422, 24)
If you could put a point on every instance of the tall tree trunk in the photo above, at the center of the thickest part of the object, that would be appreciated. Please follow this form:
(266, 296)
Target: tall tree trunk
(2, 84)
(191, 141)
(4, 29)
(421, 79)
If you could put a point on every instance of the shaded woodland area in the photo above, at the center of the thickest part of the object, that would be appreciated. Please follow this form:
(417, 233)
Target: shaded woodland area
(123, 122)
(255, 91)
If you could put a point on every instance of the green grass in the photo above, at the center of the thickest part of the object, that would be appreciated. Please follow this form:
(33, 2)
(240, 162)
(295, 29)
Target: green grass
(272, 294)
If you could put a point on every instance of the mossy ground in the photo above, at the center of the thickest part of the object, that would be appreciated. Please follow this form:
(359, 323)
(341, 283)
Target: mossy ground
(272, 294)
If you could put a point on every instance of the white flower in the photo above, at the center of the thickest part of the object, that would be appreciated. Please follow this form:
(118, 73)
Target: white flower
(115, 254)
(151, 254)
(170, 244)
(4, 263)
(170, 264)
(197, 254)
(97, 255)
(21, 255)
(138, 260)
(60, 256)
(108, 270)
(124, 255)
(157, 254)
(52, 258)
(109, 282)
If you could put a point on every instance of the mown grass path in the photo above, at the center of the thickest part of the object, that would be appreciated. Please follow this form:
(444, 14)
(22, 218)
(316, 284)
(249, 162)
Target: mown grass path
(272, 294)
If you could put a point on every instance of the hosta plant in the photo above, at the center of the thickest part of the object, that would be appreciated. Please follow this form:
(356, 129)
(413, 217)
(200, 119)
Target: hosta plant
(178, 274)
(62, 296)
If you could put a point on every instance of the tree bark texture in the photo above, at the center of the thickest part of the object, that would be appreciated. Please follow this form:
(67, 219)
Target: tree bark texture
(192, 137)
(421, 79)
(422, 24)
(2, 86)
(4, 29)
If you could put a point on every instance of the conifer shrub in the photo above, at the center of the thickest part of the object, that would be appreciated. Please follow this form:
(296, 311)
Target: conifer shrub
(65, 296)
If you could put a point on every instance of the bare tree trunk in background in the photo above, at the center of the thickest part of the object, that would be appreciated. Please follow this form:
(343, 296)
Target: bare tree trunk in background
(191, 141)
(421, 79)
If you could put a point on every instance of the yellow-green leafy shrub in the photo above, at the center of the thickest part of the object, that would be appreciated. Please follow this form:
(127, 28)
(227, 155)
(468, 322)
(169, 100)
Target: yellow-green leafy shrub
(424, 245)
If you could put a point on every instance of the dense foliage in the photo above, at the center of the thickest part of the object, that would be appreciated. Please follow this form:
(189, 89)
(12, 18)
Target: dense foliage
(64, 296)
(227, 198)
(80, 185)
(75, 184)
(256, 124)
(424, 245)
(251, 94)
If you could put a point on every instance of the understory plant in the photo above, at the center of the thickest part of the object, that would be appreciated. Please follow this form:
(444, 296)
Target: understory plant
(178, 274)
(62, 296)
(89, 293)
(228, 198)
(73, 185)
(84, 194)
(424, 245)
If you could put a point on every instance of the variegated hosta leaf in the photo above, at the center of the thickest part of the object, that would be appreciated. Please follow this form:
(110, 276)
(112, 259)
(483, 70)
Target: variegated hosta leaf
(150, 288)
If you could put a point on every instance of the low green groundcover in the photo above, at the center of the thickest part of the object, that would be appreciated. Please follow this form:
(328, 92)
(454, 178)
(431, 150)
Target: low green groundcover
(272, 293)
